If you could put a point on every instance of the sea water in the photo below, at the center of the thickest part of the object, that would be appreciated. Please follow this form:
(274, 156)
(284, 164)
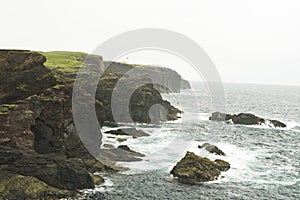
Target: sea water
(265, 161)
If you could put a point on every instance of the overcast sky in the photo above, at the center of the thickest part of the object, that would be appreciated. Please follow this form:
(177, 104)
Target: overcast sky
(252, 41)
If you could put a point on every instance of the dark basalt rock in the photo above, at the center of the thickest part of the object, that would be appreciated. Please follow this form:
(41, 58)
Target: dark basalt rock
(135, 106)
(129, 132)
(246, 119)
(212, 149)
(193, 169)
(277, 123)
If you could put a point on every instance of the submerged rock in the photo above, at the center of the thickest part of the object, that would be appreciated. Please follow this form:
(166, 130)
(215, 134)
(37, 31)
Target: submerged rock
(128, 132)
(212, 149)
(246, 119)
(193, 169)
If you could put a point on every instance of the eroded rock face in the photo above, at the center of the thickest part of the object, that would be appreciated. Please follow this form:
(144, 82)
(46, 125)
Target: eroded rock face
(22, 75)
(38, 139)
(193, 169)
(246, 119)
(133, 94)
(168, 80)
(16, 186)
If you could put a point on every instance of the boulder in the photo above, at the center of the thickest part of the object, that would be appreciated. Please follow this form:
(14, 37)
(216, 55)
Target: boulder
(193, 169)
(212, 149)
(217, 116)
(246, 119)
(277, 123)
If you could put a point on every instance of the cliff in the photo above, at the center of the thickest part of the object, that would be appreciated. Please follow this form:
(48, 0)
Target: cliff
(41, 154)
(168, 80)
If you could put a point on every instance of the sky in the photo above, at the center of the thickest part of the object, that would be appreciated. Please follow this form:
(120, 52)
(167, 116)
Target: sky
(249, 41)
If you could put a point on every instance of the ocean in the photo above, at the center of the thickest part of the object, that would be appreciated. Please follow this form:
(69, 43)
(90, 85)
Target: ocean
(265, 161)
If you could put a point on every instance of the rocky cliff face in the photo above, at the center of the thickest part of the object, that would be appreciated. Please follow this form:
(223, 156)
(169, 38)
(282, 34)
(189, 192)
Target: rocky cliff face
(138, 105)
(22, 75)
(39, 144)
(169, 81)
(38, 140)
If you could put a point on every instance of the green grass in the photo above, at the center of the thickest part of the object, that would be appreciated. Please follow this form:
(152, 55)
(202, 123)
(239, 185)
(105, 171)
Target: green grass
(64, 61)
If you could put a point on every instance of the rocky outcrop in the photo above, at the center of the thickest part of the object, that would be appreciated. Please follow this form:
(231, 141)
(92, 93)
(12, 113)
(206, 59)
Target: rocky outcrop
(246, 119)
(212, 149)
(14, 186)
(193, 169)
(39, 143)
(22, 75)
(129, 132)
(185, 84)
(137, 108)
(38, 139)
(168, 80)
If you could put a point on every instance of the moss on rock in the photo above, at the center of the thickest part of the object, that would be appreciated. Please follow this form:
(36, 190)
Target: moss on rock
(15, 186)
(5, 108)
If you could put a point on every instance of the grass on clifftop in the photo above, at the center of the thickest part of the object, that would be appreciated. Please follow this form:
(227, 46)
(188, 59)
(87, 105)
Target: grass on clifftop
(64, 61)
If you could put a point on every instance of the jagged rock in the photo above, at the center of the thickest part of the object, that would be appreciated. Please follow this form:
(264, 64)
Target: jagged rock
(98, 179)
(38, 138)
(193, 169)
(222, 165)
(135, 106)
(245, 119)
(37, 132)
(129, 132)
(277, 123)
(22, 74)
(212, 149)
